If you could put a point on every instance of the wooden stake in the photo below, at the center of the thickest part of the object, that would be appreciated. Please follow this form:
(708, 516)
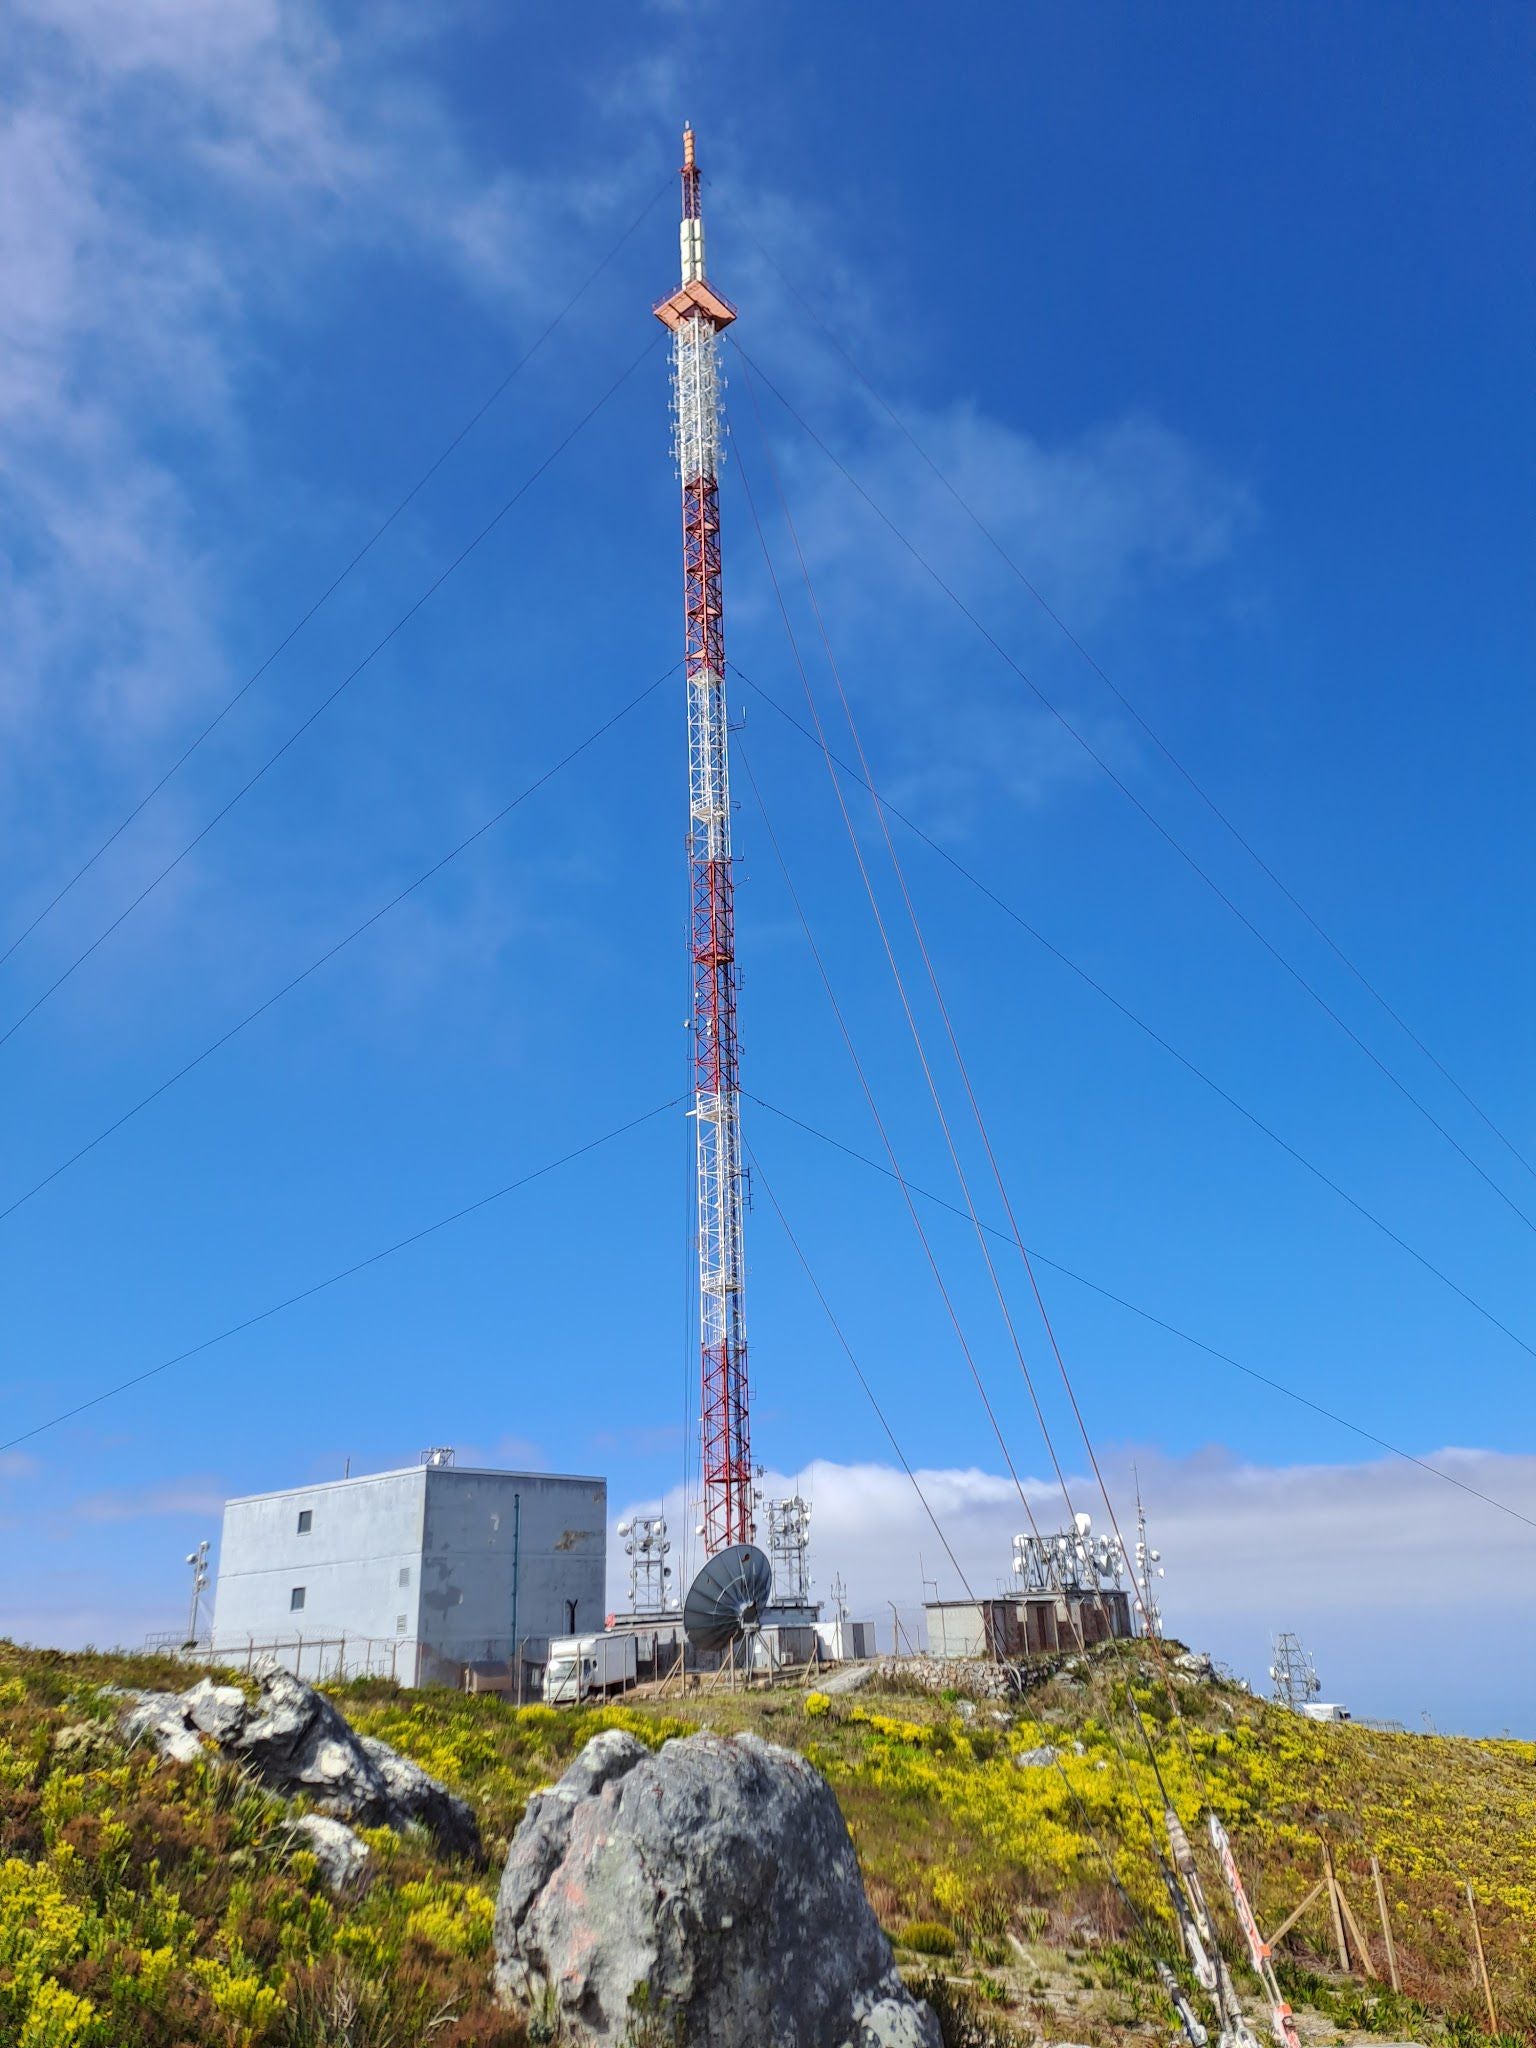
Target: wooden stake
(1355, 1935)
(1386, 1924)
(727, 1670)
(1291, 1918)
(1338, 1918)
(1482, 1963)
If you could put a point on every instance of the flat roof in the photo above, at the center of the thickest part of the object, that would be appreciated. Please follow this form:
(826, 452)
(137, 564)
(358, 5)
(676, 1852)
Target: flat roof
(240, 1500)
(991, 1600)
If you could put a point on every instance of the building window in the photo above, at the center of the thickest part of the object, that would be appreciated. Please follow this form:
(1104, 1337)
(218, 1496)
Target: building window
(306, 1520)
(296, 1600)
(405, 1575)
(400, 1624)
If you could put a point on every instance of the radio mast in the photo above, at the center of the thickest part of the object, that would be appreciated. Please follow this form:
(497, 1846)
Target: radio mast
(696, 315)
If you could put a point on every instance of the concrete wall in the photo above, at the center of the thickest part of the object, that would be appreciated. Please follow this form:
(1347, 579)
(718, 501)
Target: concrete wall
(413, 1569)
(957, 1629)
(364, 1539)
(1015, 1626)
(466, 1602)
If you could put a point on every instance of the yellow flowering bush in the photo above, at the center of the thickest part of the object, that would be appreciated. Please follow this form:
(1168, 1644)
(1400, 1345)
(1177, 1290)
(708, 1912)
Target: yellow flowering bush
(153, 1905)
(57, 2018)
(41, 1930)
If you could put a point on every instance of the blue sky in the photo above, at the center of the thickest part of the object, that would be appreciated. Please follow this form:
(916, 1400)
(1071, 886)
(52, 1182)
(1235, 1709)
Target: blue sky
(1220, 323)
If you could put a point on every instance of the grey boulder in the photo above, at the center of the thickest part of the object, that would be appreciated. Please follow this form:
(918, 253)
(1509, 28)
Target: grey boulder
(411, 1795)
(341, 1857)
(160, 1719)
(218, 1710)
(296, 1743)
(711, 1887)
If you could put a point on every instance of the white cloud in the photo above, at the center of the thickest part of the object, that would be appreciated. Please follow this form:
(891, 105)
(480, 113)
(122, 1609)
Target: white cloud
(1370, 1563)
(1100, 524)
(173, 175)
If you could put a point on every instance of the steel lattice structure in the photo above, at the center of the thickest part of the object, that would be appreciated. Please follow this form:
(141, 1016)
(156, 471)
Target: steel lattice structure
(696, 314)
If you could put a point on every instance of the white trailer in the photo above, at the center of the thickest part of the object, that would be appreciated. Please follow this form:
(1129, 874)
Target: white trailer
(588, 1667)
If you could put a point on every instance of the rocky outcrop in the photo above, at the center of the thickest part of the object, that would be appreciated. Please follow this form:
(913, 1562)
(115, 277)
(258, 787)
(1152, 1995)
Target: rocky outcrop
(711, 1886)
(295, 1743)
(1195, 1664)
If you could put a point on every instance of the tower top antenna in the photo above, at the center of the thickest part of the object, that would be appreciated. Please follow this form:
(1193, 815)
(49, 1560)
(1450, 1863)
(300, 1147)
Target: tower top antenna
(694, 298)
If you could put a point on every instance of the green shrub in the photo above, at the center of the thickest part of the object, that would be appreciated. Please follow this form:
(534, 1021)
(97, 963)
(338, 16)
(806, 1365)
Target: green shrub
(928, 1938)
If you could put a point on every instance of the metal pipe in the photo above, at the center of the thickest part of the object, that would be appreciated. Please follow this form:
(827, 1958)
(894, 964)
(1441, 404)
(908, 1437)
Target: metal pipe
(517, 1540)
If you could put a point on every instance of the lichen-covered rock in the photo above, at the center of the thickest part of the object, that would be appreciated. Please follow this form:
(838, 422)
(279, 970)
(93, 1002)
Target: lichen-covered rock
(711, 1886)
(160, 1719)
(413, 1796)
(1036, 1759)
(1195, 1664)
(341, 1857)
(218, 1710)
(296, 1743)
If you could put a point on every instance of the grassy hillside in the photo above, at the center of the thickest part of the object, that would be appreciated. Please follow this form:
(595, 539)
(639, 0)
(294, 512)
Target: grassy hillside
(141, 1902)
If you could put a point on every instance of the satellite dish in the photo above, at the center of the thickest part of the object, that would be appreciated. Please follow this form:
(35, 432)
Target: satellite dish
(727, 1599)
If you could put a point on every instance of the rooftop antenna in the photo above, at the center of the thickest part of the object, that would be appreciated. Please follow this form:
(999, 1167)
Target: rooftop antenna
(789, 1541)
(695, 313)
(648, 1546)
(1071, 1561)
(1149, 1566)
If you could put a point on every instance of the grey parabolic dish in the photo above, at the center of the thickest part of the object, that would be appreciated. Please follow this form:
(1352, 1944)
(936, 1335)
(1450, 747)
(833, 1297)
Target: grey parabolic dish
(728, 1597)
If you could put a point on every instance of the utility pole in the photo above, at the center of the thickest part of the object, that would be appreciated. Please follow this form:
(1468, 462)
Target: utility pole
(696, 314)
(198, 1560)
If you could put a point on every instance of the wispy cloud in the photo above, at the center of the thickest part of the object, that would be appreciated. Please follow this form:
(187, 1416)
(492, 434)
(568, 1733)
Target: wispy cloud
(172, 176)
(173, 1497)
(1123, 513)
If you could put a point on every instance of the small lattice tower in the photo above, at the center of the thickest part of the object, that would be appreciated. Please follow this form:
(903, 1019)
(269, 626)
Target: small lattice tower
(1293, 1673)
(789, 1542)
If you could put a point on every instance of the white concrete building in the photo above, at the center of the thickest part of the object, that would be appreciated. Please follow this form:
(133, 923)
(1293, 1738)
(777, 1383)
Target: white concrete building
(417, 1574)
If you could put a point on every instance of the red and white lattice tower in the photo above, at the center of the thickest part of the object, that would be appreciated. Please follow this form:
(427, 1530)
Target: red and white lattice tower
(696, 314)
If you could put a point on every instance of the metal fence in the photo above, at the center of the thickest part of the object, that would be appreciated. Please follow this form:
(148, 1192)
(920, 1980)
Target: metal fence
(324, 1656)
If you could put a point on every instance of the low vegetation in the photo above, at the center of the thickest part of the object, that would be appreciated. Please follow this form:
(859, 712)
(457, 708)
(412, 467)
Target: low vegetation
(147, 1903)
